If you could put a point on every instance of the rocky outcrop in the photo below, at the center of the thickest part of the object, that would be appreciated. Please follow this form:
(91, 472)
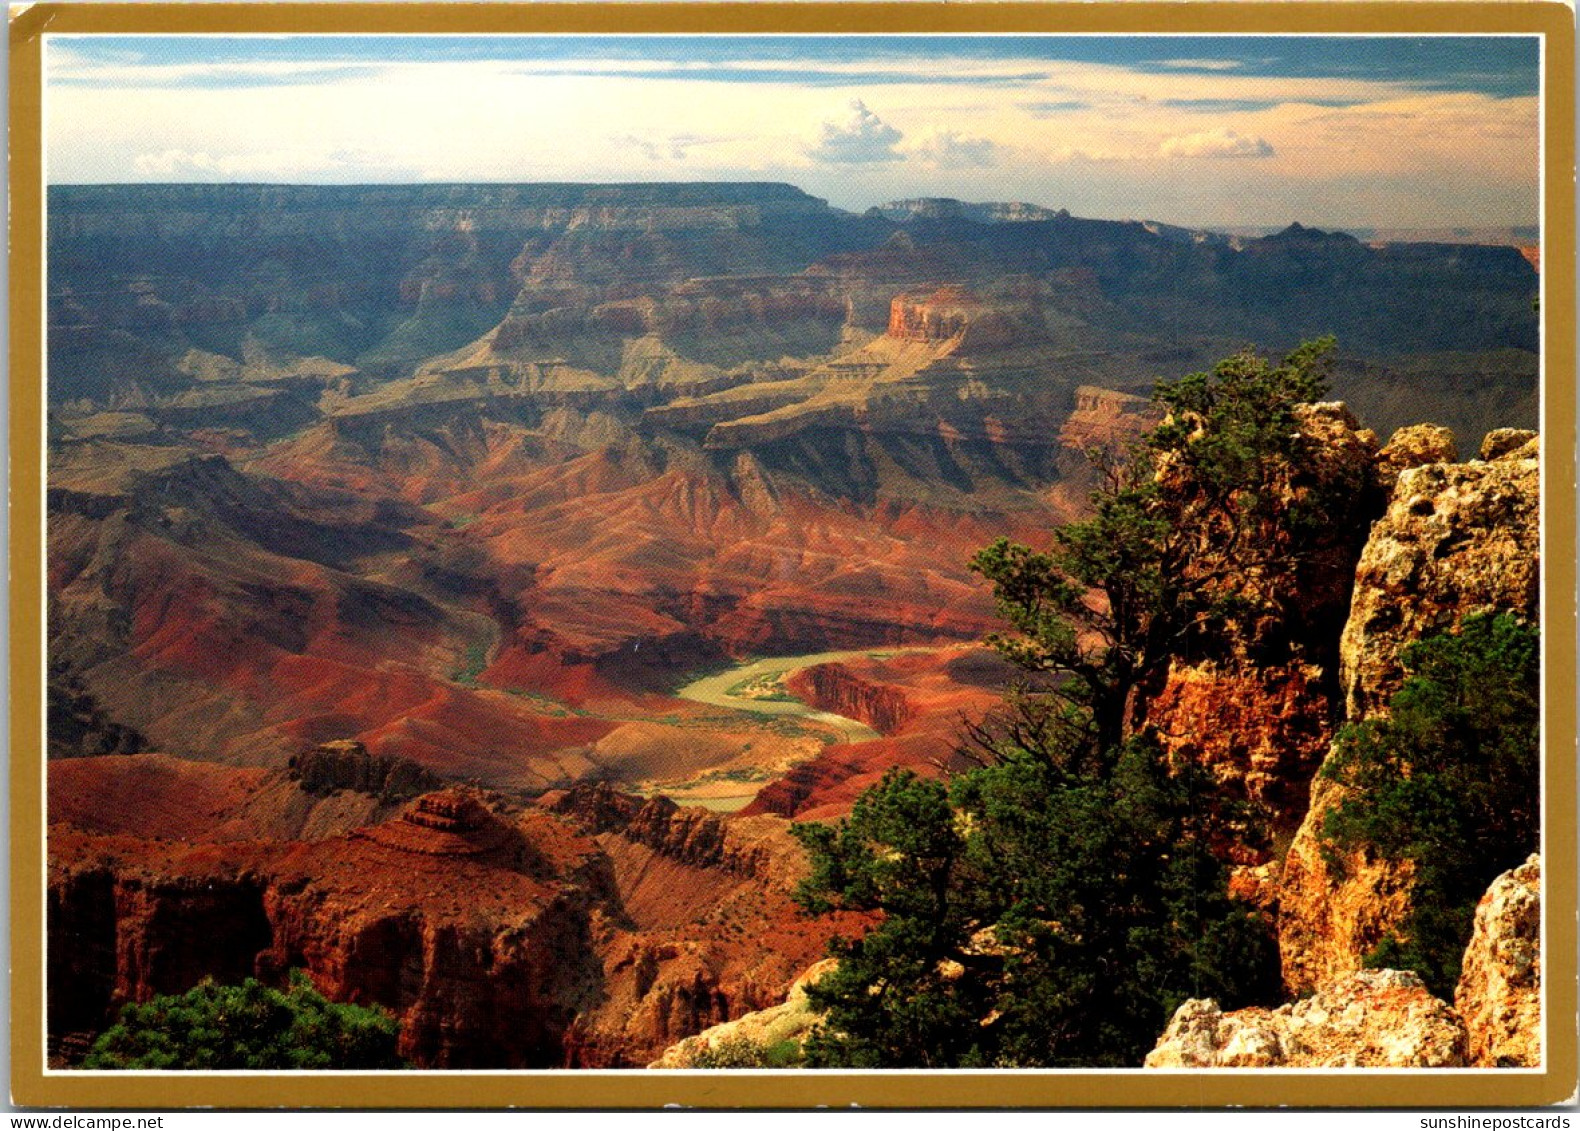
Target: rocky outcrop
(1506, 442)
(118, 932)
(1415, 446)
(1106, 419)
(1260, 732)
(1499, 996)
(758, 1031)
(1387, 1018)
(1456, 539)
(834, 687)
(474, 931)
(1255, 709)
(1332, 915)
(1370, 1019)
(346, 765)
(950, 313)
(687, 835)
(451, 822)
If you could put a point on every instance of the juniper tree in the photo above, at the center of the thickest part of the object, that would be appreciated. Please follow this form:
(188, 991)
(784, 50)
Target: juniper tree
(1053, 905)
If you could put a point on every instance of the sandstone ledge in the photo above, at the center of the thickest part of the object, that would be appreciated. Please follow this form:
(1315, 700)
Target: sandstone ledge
(1371, 1019)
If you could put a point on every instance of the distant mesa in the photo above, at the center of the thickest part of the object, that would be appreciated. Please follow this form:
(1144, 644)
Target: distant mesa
(947, 208)
(948, 313)
(1299, 233)
(449, 822)
(1106, 418)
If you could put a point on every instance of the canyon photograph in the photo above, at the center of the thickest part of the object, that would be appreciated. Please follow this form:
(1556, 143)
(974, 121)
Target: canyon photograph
(752, 555)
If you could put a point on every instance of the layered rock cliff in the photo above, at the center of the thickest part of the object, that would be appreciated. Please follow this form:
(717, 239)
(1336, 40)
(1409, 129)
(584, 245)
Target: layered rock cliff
(834, 687)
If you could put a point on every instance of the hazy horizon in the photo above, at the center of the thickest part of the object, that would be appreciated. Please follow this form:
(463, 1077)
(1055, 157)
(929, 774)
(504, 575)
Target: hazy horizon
(1522, 232)
(1201, 131)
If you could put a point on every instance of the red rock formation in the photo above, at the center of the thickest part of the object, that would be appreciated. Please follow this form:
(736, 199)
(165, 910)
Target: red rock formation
(933, 317)
(447, 823)
(346, 765)
(1106, 419)
(835, 688)
(690, 836)
(596, 934)
(1260, 732)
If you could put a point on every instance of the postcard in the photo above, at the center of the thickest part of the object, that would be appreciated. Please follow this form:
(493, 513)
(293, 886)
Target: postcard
(901, 555)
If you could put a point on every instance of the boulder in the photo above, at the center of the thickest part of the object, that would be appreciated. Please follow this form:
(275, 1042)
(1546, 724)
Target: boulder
(1369, 1019)
(1508, 443)
(1499, 995)
(1415, 446)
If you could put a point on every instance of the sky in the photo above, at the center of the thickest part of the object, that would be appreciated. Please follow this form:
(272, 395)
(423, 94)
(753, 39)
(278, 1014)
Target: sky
(1257, 130)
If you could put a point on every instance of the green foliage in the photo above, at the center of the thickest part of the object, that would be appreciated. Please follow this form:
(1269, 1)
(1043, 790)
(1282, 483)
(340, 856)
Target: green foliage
(1035, 913)
(1206, 520)
(741, 1052)
(476, 660)
(250, 1026)
(1449, 778)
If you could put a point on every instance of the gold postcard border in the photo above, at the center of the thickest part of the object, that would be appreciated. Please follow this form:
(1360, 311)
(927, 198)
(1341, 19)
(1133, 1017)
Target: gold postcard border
(31, 1086)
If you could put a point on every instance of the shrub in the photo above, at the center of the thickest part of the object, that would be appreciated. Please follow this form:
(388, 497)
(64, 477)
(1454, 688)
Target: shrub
(741, 1052)
(1449, 779)
(1034, 914)
(250, 1026)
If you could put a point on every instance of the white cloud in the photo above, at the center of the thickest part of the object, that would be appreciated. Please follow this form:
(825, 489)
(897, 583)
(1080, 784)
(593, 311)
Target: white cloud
(270, 165)
(862, 138)
(674, 147)
(1202, 64)
(946, 149)
(1222, 142)
(1078, 154)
